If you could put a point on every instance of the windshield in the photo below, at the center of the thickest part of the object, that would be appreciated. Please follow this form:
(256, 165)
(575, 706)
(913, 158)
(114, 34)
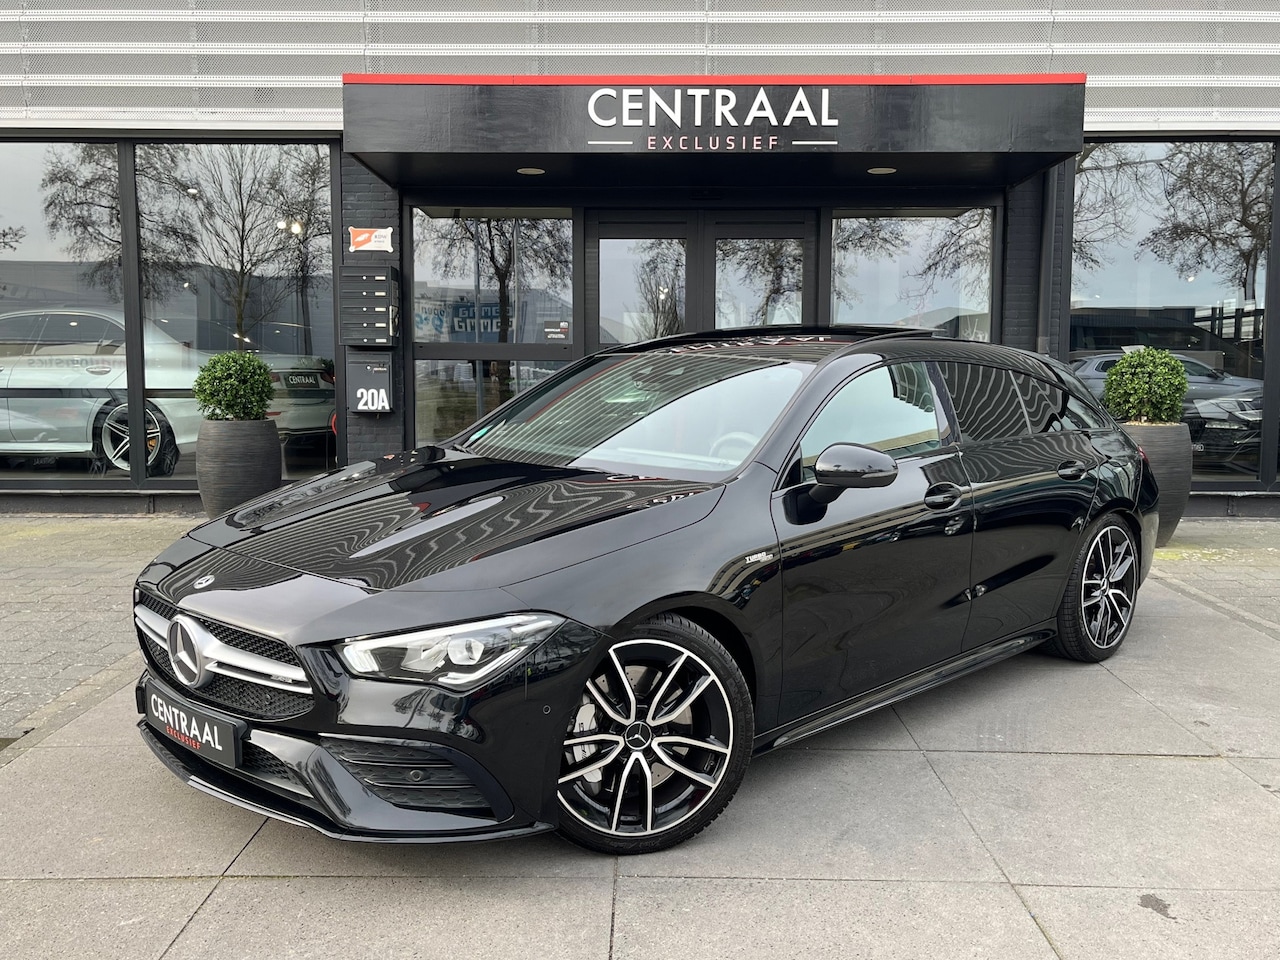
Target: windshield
(685, 416)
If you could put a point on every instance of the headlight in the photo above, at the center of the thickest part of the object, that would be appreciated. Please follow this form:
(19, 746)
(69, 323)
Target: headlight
(460, 657)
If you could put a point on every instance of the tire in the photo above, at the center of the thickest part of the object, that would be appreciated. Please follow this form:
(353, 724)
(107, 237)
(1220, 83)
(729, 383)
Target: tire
(658, 743)
(1097, 608)
(111, 440)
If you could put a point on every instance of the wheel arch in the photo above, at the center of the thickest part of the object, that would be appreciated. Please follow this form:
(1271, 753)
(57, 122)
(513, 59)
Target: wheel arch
(719, 623)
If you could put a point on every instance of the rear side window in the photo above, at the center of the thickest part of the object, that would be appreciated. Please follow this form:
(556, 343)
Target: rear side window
(1051, 408)
(986, 401)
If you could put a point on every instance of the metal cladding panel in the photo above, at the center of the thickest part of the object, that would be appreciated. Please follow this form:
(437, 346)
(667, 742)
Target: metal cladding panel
(145, 62)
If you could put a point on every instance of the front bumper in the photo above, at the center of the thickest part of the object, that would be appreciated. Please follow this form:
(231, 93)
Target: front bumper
(303, 779)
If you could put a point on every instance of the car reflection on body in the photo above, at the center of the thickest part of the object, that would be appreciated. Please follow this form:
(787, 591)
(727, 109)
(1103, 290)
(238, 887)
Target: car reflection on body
(591, 608)
(64, 374)
(1203, 381)
(1226, 433)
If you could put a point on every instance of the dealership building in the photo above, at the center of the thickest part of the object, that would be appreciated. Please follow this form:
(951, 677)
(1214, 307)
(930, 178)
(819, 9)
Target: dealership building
(414, 211)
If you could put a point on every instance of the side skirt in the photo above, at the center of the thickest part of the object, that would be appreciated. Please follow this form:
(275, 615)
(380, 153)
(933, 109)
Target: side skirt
(891, 693)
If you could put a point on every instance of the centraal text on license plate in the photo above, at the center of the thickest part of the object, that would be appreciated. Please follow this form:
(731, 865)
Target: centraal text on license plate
(305, 380)
(212, 737)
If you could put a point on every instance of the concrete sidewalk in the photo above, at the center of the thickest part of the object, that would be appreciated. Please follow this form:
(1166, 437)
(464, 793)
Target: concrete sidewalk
(1038, 809)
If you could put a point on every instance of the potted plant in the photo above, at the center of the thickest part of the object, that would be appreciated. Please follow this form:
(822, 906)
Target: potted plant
(238, 448)
(1145, 391)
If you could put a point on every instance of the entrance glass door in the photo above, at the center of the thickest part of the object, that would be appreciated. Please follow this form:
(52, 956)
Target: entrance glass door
(657, 275)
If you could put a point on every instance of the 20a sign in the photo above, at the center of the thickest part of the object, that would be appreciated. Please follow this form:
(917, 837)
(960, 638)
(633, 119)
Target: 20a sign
(372, 400)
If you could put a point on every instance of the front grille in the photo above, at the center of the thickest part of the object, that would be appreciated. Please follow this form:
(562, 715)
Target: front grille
(251, 676)
(237, 696)
(411, 777)
(252, 643)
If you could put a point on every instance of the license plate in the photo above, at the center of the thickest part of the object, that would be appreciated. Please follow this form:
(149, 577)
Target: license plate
(304, 380)
(199, 731)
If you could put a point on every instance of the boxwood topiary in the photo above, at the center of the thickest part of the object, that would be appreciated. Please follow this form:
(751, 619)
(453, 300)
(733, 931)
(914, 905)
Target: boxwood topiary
(1146, 386)
(234, 386)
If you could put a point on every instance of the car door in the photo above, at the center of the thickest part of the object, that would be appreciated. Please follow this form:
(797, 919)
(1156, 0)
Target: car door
(18, 334)
(1202, 382)
(873, 582)
(1033, 478)
(74, 368)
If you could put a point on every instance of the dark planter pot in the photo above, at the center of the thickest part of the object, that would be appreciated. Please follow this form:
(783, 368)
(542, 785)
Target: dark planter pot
(1168, 449)
(236, 460)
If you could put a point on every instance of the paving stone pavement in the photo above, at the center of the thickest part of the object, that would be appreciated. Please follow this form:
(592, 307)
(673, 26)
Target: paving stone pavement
(64, 608)
(1037, 809)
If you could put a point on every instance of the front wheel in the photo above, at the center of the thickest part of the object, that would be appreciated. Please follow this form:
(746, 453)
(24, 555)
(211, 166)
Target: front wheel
(111, 440)
(1097, 608)
(658, 743)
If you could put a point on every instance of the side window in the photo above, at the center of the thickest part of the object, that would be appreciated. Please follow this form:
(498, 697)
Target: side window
(1105, 365)
(79, 333)
(986, 401)
(18, 333)
(889, 408)
(1083, 417)
(1195, 369)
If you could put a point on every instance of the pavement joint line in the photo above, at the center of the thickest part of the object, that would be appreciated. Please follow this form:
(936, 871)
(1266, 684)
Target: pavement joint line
(186, 923)
(70, 704)
(613, 905)
(451, 877)
(986, 849)
(1269, 627)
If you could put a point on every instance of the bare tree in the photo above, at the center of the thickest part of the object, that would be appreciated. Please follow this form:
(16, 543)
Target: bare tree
(1216, 213)
(776, 264)
(81, 188)
(301, 190)
(959, 248)
(1113, 180)
(659, 279)
(532, 253)
(10, 237)
(233, 196)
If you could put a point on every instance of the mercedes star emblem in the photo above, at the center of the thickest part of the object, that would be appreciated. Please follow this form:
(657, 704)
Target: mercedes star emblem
(202, 582)
(185, 641)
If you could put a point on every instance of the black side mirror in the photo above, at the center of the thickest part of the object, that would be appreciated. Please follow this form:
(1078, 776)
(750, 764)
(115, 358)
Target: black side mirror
(844, 465)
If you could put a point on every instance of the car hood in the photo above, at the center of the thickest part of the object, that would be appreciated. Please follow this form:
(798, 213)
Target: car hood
(431, 519)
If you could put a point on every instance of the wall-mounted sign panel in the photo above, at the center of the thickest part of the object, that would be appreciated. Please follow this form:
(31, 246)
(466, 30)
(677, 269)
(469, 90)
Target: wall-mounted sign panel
(712, 115)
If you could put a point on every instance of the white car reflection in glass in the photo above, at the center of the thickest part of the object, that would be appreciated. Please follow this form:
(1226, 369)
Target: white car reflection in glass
(63, 373)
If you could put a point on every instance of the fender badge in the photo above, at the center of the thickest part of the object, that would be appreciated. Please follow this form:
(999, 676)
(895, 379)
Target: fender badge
(202, 583)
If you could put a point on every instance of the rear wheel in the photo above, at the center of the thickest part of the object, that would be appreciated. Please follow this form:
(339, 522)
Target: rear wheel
(1097, 608)
(658, 743)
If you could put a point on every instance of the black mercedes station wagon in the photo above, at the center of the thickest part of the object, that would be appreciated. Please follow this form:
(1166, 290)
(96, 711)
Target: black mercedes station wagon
(588, 611)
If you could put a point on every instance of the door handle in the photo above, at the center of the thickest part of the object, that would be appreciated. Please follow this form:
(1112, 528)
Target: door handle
(98, 371)
(940, 496)
(1072, 470)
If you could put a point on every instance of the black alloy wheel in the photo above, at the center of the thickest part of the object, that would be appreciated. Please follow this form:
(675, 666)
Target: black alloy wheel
(1097, 607)
(658, 742)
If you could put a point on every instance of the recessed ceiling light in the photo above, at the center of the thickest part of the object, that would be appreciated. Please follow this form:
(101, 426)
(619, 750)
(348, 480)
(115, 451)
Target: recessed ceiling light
(881, 171)
(531, 171)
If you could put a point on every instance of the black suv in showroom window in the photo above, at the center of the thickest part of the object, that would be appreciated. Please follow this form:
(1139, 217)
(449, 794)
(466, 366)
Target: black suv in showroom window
(589, 610)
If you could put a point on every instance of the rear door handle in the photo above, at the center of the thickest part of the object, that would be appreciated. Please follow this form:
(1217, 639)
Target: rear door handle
(1072, 470)
(943, 495)
(98, 371)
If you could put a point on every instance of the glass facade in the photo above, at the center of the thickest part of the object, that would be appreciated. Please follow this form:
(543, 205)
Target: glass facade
(1170, 250)
(233, 252)
(64, 398)
(642, 288)
(492, 280)
(931, 271)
